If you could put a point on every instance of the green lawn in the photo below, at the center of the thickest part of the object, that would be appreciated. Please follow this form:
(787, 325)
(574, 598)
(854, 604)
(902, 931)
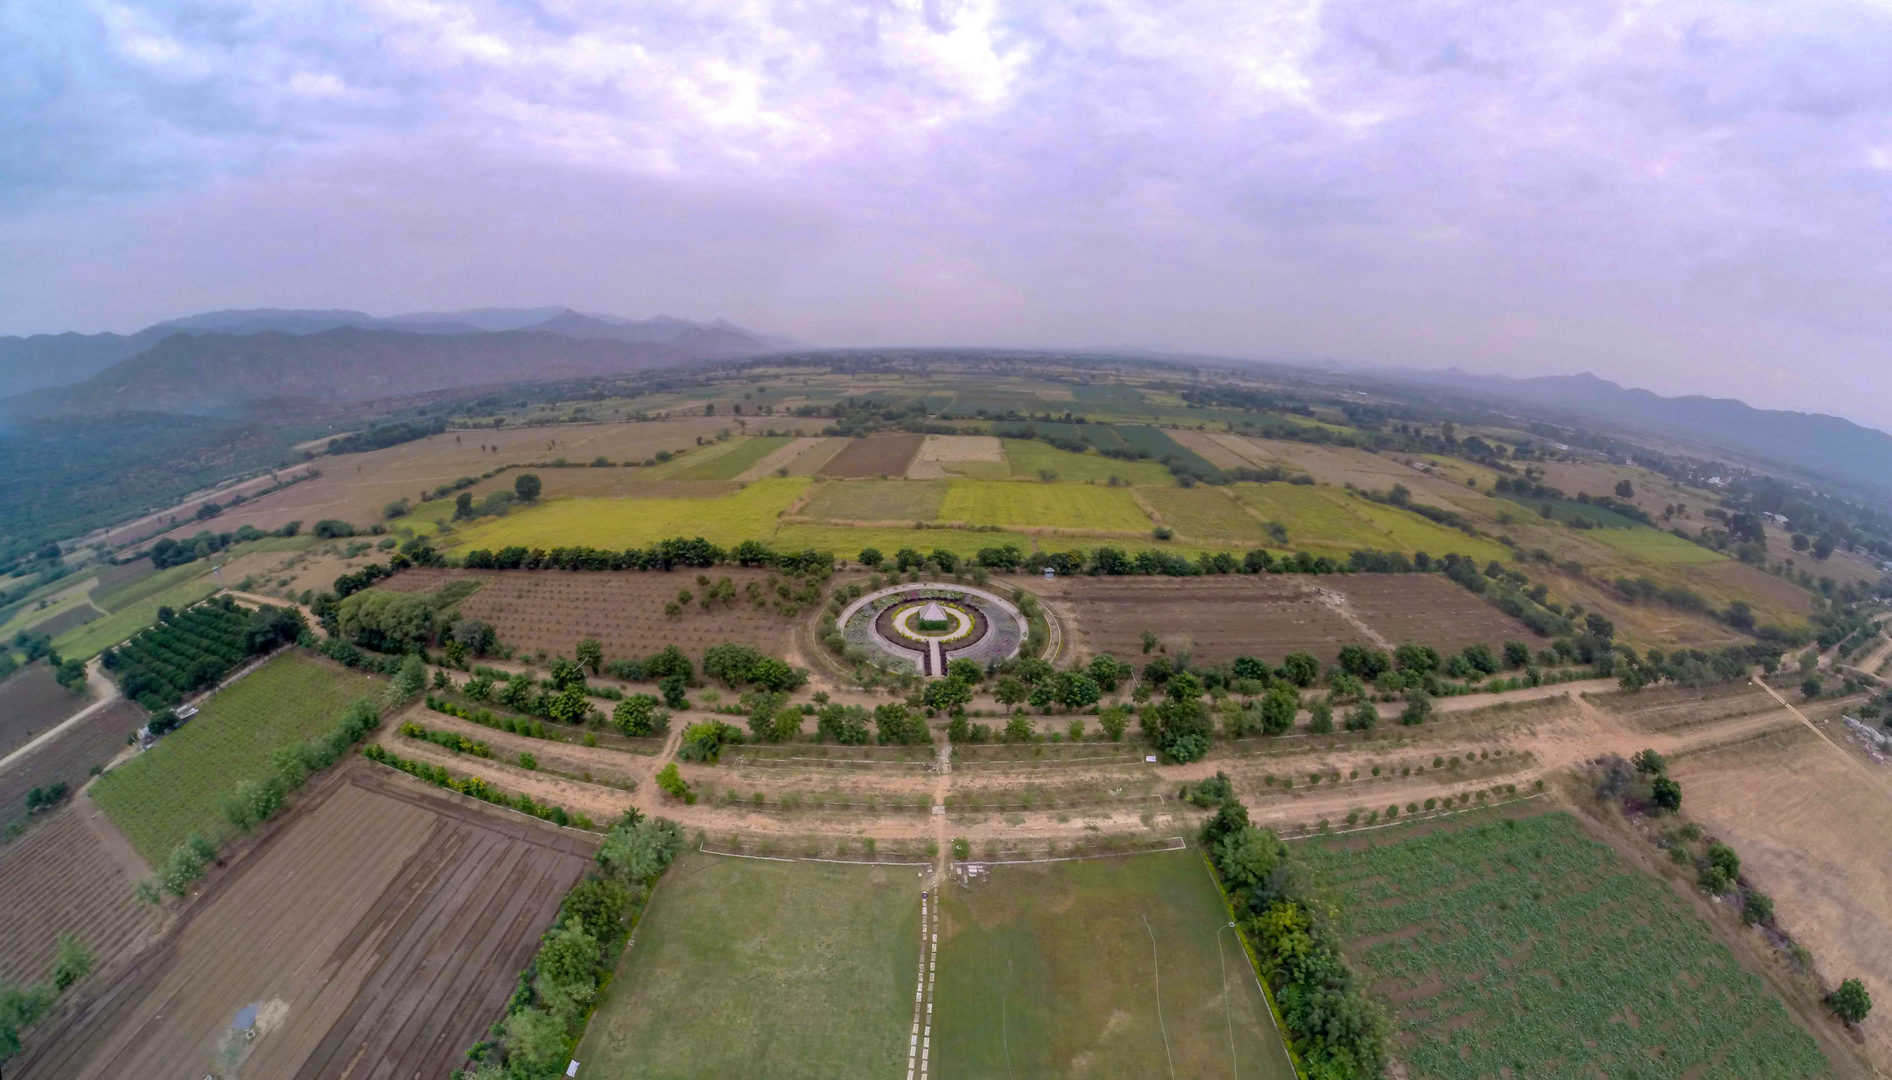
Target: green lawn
(1049, 970)
(743, 967)
(177, 787)
(1522, 947)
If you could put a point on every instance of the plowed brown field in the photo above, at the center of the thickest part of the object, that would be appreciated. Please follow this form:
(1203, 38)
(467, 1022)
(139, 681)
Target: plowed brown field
(876, 455)
(552, 610)
(70, 756)
(62, 878)
(379, 931)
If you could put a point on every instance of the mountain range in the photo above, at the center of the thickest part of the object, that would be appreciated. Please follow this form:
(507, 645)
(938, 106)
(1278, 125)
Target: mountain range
(222, 359)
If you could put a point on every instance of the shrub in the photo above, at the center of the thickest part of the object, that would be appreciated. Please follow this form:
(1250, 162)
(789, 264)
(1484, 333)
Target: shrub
(671, 783)
(1851, 1002)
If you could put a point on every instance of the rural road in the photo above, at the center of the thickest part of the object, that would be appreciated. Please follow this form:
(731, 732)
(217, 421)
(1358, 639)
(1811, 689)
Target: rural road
(1858, 765)
(105, 689)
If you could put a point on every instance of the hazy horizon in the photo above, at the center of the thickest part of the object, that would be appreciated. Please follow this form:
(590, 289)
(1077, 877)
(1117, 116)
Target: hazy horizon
(1685, 197)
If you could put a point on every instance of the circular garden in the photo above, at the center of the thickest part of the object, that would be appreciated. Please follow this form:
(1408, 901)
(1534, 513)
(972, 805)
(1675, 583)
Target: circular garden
(926, 625)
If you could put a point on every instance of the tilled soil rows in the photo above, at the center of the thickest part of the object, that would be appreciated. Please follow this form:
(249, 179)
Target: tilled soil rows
(59, 878)
(379, 931)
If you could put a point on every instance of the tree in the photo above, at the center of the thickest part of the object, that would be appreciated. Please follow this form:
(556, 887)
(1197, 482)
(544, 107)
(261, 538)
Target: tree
(1811, 687)
(1851, 1002)
(1321, 719)
(1010, 690)
(945, 695)
(638, 715)
(908, 559)
(872, 558)
(1823, 547)
(1516, 654)
(1019, 729)
(1419, 659)
(591, 654)
(474, 635)
(1114, 720)
(1418, 708)
(463, 506)
(565, 674)
(1107, 671)
(526, 486)
(1666, 793)
(1757, 907)
(845, 724)
(673, 688)
(966, 671)
(1364, 663)
(1278, 707)
(1362, 717)
(1625, 490)
(1801, 542)
(895, 724)
(1075, 690)
(1650, 762)
(1300, 668)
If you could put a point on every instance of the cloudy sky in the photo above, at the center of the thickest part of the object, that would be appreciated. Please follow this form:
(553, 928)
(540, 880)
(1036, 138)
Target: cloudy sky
(1691, 197)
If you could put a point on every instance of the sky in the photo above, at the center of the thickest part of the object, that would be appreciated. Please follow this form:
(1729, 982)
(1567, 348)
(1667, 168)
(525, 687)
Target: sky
(1690, 197)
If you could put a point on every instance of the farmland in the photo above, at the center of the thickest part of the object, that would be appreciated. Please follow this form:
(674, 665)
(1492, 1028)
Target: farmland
(1427, 609)
(63, 877)
(69, 757)
(176, 787)
(876, 500)
(728, 520)
(30, 702)
(1102, 968)
(1325, 519)
(1522, 945)
(731, 462)
(878, 455)
(1031, 459)
(810, 969)
(1206, 514)
(1056, 506)
(380, 928)
(533, 611)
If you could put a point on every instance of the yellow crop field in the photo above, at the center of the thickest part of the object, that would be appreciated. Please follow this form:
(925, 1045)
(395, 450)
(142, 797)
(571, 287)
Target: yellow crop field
(876, 500)
(748, 514)
(1055, 506)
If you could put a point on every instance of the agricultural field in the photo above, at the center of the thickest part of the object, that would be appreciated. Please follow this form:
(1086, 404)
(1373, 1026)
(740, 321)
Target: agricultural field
(802, 456)
(1654, 547)
(379, 928)
(731, 459)
(69, 599)
(875, 500)
(64, 877)
(745, 967)
(748, 514)
(85, 642)
(1053, 506)
(1326, 520)
(177, 787)
(1523, 947)
(1206, 514)
(32, 701)
(959, 455)
(545, 610)
(876, 455)
(70, 757)
(1032, 459)
(1101, 968)
(1269, 616)
(846, 541)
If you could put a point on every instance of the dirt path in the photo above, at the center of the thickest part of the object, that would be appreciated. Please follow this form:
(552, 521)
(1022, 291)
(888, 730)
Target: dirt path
(315, 624)
(1877, 780)
(105, 693)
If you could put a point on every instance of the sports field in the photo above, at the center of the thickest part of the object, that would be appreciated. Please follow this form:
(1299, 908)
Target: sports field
(747, 967)
(727, 520)
(177, 787)
(1523, 947)
(1101, 968)
(1056, 506)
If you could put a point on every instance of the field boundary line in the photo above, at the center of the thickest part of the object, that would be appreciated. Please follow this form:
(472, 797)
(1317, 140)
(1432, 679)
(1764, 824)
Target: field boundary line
(470, 801)
(1177, 844)
(745, 760)
(1434, 816)
(706, 850)
(1156, 985)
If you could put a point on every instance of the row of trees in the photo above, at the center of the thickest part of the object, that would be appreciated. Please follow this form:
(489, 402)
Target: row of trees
(194, 649)
(663, 555)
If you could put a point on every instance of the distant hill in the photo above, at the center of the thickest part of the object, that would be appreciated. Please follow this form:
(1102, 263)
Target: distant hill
(1860, 457)
(43, 361)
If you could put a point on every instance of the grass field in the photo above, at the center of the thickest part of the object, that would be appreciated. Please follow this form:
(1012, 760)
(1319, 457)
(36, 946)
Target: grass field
(732, 461)
(1327, 520)
(1028, 457)
(1057, 506)
(876, 500)
(177, 787)
(84, 642)
(1525, 948)
(750, 968)
(748, 514)
(1049, 971)
(1655, 546)
(1203, 513)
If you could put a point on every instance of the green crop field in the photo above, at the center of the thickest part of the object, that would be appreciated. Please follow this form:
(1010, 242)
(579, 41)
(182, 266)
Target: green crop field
(1029, 457)
(1157, 443)
(876, 500)
(1572, 510)
(732, 461)
(1326, 519)
(85, 642)
(1057, 506)
(177, 787)
(1648, 545)
(748, 514)
(1206, 513)
(1099, 969)
(1522, 947)
(743, 967)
